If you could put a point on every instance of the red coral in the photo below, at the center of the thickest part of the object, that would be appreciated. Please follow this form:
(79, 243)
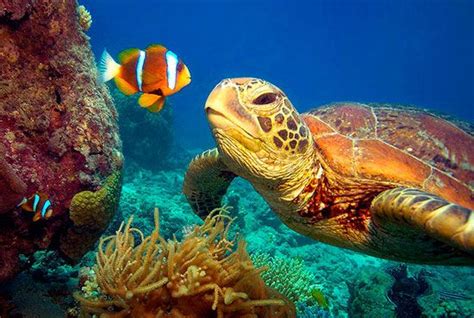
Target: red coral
(12, 187)
(58, 125)
(15, 9)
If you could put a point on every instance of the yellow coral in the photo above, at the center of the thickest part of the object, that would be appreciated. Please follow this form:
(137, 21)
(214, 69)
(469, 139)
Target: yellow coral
(91, 212)
(201, 276)
(85, 18)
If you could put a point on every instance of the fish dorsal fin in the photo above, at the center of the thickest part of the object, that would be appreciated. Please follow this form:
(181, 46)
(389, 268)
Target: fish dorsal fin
(146, 100)
(128, 54)
(156, 48)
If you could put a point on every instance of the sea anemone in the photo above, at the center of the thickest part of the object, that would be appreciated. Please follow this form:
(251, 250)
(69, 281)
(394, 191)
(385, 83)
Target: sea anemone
(201, 276)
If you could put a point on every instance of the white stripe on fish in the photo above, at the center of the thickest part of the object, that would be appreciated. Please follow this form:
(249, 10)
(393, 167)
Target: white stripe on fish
(171, 68)
(139, 70)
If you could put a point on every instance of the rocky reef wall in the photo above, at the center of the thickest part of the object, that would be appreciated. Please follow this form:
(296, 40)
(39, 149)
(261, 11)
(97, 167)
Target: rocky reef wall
(58, 131)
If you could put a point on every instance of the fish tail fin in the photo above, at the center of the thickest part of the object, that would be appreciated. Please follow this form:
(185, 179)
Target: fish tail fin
(108, 67)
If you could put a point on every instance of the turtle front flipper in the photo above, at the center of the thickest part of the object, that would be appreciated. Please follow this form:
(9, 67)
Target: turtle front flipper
(206, 182)
(428, 214)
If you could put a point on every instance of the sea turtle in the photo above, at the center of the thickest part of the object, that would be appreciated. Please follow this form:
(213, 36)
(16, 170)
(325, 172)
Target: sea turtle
(388, 181)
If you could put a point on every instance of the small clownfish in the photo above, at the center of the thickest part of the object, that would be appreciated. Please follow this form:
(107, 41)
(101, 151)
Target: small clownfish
(155, 72)
(40, 204)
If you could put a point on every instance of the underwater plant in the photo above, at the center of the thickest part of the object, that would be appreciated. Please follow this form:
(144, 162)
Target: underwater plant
(203, 275)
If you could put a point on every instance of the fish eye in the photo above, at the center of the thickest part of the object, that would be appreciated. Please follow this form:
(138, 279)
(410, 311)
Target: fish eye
(265, 99)
(180, 66)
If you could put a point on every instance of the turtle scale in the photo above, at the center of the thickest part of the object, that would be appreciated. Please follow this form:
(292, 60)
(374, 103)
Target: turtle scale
(401, 146)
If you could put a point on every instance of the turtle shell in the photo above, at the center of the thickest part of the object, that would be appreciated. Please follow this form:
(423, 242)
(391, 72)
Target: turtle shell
(397, 145)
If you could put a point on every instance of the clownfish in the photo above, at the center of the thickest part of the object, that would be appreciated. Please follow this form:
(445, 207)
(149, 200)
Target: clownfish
(156, 72)
(40, 204)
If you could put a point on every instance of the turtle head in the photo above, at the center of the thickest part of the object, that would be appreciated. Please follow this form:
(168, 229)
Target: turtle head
(260, 135)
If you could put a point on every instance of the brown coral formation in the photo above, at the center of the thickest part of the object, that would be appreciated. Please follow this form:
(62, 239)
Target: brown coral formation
(201, 276)
(58, 124)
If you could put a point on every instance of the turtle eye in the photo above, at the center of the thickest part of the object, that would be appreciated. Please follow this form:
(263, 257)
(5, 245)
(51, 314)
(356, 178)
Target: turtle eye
(265, 99)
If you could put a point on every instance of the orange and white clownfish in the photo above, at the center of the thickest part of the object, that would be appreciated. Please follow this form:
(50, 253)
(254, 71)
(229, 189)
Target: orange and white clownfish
(40, 204)
(155, 72)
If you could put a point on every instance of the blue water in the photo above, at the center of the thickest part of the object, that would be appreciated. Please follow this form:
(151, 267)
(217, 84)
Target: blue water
(410, 52)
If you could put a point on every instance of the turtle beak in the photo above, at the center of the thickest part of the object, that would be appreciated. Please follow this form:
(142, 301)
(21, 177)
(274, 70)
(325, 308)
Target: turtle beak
(229, 117)
(223, 108)
(218, 105)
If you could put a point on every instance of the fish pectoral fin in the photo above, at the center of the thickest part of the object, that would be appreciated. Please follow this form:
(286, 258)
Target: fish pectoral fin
(158, 105)
(124, 86)
(37, 216)
(48, 214)
(146, 100)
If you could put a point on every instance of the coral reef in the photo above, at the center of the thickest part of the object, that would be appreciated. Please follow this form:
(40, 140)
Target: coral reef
(405, 291)
(286, 275)
(311, 311)
(148, 138)
(85, 18)
(203, 275)
(352, 283)
(91, 213)
(450, 294)
(58, 124)
(368, 295)
(162, 189)
(291, 278)
(14, 187)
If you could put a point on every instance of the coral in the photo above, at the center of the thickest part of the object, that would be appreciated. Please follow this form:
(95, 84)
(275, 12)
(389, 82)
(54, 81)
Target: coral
(48, 267)
(13, 187)
(145, 130)
(89, 287)
(91, 212)
(163, 190)
(58, 124)
(201, 276)
(85, 18)
(286, 275)
(368, 295)
(311, 311)
(450, 292)
(406, 289)
(15, 9)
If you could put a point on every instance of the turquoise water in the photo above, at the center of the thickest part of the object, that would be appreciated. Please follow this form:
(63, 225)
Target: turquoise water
(418, 53)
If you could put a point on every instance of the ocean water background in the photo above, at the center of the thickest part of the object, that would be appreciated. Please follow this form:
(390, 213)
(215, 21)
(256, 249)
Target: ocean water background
(409, 52)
